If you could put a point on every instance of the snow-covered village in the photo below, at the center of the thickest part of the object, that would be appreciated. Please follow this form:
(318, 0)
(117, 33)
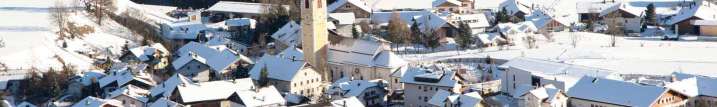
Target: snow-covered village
(358, 53)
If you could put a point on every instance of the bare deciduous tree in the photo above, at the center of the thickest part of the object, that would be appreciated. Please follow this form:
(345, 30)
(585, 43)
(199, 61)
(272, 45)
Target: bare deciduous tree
(615, 27)
(58, 17)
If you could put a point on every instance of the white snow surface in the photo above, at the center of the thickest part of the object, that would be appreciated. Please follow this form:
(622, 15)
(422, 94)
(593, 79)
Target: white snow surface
(633, 55)
(30, 40)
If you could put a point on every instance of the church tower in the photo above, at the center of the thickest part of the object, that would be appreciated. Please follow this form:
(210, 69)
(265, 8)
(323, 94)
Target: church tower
(315, 35)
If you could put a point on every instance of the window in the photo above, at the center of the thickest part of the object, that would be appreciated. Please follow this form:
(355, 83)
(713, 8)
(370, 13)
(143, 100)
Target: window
(306, 4)
(348, 6)
(319, 4)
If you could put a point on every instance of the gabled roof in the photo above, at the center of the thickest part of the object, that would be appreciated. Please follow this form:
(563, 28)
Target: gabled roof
(86, 76)
(514, 6)
(130, 91)
(217, 58)
(239, 7)
(389, 5)
(96, 102)
(214, 90)
(264, 96)
(164, 102)
(343, 18)
(123, 76)
(567, 73)
(438, 98)
(347, 102)
(185, 30)
(626, 7)
(362, 52)
(290, 34)
(25, 104)
(695, 86)
(704, 11)
(437, 3)
(341, 3)
(406, 16)
(353, 87)
(283, 66)
(522, 27)
(143, 52)
(470, 99)
(546, 93)
(167, 87)
(616, 92)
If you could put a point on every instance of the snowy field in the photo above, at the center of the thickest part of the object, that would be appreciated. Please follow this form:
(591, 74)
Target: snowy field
(633, 55)
(30, 42)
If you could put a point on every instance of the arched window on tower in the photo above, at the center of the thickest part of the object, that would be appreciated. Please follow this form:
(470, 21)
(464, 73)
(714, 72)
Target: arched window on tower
(306, 4)
(318, 4)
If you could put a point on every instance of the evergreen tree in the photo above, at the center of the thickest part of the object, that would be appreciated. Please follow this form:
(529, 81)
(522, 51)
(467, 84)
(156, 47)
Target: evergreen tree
(263, 76)
(465, 37)
(354, 31)
(650, 15)
(502, 16)
(432, 40)
(416, 32)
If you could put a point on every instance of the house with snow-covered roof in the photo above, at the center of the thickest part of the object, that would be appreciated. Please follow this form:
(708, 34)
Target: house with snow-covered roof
(359, 8)
(545, 96)
(591, 91)
(629, 16)
(164, 102)
(182, 30)
(232, 9)
(167, 87)
(154, 54)
(203, 62)
(227, 93)
(130, 96)
(347, 102)
(369, 92)
(683, 22)
(537, 72)
(97, 102)
(454, 6)
(707, 27)
(420, 83)
(122, 77)
(289, 73)
(444, 98)
(362, 59)
(700, 90)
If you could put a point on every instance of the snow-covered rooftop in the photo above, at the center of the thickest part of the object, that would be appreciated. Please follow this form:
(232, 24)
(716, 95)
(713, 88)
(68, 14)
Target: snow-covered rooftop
(568, 73)
(184, 30)
(695, 86)
(241, 22)
(239, 7)
(97, 102)
(282, 66)
(164, 102)
(470, 99)
(289, 34)
(143, 53)
(350, 88)
(706, 22)
(704, 10)
(616, 92)
(123, 76)
(341, 3)
(343, 18)
(347, 102)
(167, 87)
(435, 77)
(546, 93)
(437, 3)
(217, 57)
(364, 53)
(214, 90)
(131, 91)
